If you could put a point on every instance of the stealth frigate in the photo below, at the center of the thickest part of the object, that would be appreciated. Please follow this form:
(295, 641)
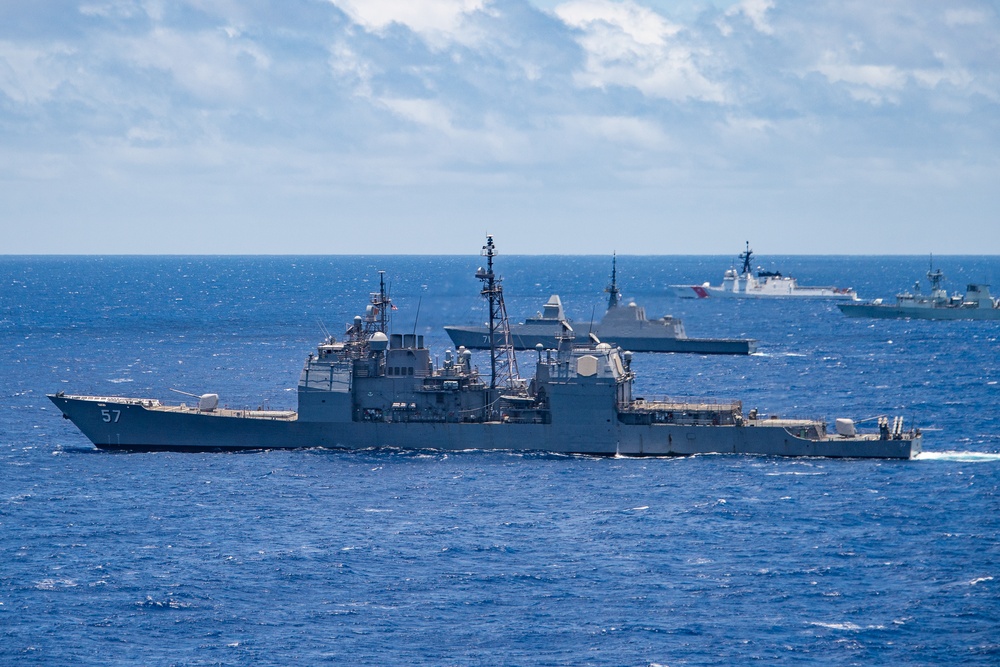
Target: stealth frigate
(623, 325)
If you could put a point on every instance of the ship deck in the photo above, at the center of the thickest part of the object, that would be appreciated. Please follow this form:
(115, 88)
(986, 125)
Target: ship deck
(155, 405)
(279, 415)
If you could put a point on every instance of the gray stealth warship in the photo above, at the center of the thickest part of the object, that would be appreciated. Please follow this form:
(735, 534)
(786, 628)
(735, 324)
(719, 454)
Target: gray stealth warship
(624, 326)
(379, 390)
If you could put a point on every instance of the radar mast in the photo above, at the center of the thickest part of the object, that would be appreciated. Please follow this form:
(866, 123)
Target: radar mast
(613, 292)
(503, 363)
(377, 314)
(377, 318)
(934, 276)
(747, 258)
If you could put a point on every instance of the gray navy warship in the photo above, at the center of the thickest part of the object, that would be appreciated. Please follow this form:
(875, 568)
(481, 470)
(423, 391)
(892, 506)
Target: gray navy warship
(976, 304)
(379, 389)
(624, 326)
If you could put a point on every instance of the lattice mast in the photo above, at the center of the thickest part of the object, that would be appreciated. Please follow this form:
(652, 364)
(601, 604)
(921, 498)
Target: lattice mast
(503, 362)
(377, 314)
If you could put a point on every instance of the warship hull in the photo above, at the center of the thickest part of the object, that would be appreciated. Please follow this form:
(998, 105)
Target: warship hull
(775, 290)
(477, 338)
(890, 312)
(377, 389)
(145, 425)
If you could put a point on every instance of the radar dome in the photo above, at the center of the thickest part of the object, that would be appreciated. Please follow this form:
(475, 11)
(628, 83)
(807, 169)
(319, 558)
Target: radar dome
(378, 342)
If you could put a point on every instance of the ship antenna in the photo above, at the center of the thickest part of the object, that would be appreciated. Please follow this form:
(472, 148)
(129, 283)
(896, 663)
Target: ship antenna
(503, 362)
(417, 317)
(934, 276)
(323, 329)
(384, 302)
(746, 257)
(612, 289)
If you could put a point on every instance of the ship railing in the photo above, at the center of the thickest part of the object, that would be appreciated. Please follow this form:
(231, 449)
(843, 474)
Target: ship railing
(242, 413)
(686, 411)
(273, 415)
(146, 402)
(677, 403)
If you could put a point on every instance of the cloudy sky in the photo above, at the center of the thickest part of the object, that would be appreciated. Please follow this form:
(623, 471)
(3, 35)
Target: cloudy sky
(416, 126)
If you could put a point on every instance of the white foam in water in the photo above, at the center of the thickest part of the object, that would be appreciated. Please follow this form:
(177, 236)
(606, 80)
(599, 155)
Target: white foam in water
(967, 457)
(837, 626)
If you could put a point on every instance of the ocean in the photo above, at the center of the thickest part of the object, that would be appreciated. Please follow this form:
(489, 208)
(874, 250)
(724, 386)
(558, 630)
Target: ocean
(491, 558)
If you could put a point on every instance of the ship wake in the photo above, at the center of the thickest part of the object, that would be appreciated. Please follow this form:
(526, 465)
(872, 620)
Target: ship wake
(964, 457)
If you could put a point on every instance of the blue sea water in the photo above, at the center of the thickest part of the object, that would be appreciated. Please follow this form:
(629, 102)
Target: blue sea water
(490, 558)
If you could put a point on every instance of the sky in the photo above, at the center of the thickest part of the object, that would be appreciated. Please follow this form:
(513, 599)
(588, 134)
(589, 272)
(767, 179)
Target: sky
(576, 127)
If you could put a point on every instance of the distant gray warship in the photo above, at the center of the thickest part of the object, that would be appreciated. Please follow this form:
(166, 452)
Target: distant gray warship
(977, 304)
(379, 390)
(624, 326)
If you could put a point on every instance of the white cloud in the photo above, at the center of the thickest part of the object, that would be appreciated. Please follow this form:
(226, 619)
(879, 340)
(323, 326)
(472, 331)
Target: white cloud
(878, 84)
(348, 65)
(31, 75)
(931, 78)
(443, 138)
(428, 113)
(755, 11)
(432, 19)
(871, 76)
(632, 46)
(746, 127)
(965, 16)
(120, 9)
(623, 131)
(874, 84)
(640, 24)
(212, 65)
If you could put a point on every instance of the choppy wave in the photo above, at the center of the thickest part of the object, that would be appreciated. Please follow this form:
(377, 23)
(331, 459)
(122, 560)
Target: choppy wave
(851, 627)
